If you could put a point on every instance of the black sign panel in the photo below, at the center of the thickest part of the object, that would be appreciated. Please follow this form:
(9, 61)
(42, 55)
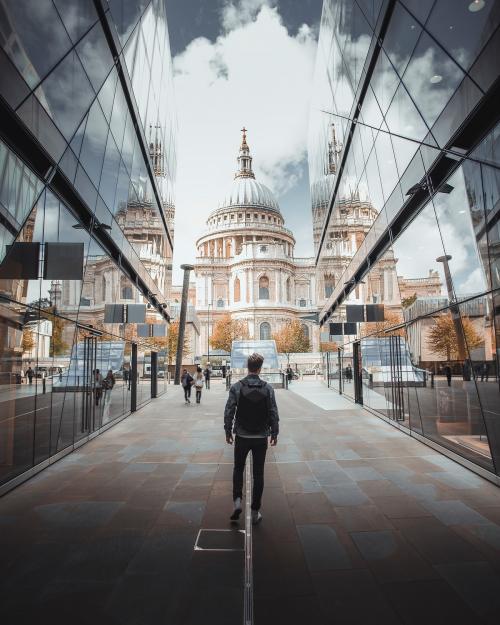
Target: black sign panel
(114, 313)
(159, 329)
(375, 312)
(336, 329)
(136, 313)
(355, 312)
(143, 329)
(350, 328)
(63, 261)
(21, 261)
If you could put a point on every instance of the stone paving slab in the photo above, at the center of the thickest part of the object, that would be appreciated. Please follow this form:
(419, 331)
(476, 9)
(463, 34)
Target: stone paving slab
(362, 524)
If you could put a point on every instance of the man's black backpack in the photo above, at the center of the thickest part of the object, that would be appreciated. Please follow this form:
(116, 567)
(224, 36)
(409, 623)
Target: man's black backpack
(252, 412)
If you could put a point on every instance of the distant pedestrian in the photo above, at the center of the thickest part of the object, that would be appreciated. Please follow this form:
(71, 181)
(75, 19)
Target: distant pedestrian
(126, 377)
(251, 414)
(29, 374)
(447, 372)
(98, 384)
(187, 382)
(109, 380)
(289, 374)
(199, 379)
(208, 375)
(348, 373)
(485, 371)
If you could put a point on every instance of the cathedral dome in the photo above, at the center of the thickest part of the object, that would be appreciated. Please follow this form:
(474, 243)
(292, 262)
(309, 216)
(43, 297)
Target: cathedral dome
(248, 192)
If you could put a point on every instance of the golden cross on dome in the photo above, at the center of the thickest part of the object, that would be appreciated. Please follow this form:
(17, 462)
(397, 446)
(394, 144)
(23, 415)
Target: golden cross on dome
(244, 131)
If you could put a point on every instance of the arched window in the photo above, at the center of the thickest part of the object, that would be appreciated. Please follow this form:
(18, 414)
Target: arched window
(237, 290)
(126, 289)
(289, 290)
(329, 285)
(264, 288)
(265, 331)
(305, 330)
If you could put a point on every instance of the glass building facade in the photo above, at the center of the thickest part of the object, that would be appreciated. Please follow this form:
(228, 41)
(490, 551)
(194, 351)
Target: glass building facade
(405, 139)
(87, 165)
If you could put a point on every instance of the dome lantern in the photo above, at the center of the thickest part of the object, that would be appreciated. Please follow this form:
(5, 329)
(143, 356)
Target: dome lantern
(244, 159)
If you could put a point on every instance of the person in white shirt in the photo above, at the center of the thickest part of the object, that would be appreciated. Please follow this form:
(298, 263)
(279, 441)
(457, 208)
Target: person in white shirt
(199, 381)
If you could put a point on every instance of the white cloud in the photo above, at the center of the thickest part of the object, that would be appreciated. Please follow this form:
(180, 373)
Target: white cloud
(255, 74)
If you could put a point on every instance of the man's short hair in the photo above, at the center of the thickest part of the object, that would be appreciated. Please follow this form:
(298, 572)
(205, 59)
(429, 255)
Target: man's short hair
(255, 362)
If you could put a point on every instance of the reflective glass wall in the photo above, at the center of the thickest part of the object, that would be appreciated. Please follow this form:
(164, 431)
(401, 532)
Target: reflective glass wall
(411, 220)
(88, 87)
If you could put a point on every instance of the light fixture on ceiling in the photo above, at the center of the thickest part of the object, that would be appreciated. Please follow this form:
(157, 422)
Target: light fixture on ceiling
(435, 79)
(476, 6)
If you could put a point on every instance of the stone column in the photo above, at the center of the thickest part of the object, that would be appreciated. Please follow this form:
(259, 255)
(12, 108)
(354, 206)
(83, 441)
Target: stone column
(250, 287)
(243, 286)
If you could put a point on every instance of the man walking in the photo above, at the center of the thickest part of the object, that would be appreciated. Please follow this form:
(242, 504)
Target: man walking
(208, 373)
(251, 407)
(186, 383)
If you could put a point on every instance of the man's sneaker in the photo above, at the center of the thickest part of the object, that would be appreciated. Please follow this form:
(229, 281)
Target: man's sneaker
(237, 510)
(256, 517)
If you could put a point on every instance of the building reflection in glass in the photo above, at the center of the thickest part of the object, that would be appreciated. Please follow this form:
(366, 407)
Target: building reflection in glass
(429, 253)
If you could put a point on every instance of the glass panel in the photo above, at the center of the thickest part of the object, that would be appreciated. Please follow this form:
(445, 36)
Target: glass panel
(19, 187)
(66, 94)
(384, 82)
(43, 128)
(401, 38)
(126, 14)
(358, 38)
(26, 29)
(420, 277)
(453, 211)
(460, 106)
(460, 31)
(431, 78)
(419, 8)
(95, 56)
(403, 118)
(110, 171)
(94, 143)
(491, 183)
(487, 370)
(77, 16)
(12, 86)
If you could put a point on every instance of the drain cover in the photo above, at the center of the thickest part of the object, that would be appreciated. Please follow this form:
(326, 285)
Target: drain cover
(220, 540)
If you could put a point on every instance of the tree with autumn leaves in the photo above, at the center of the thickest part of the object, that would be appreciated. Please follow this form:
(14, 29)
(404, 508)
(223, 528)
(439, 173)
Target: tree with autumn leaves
(291, 339)
(226, 330)
(442, 337)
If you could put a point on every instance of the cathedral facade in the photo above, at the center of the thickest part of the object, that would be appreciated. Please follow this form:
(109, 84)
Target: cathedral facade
(246, 266)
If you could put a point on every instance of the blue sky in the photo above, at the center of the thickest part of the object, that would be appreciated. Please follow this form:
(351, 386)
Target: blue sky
(242, 63)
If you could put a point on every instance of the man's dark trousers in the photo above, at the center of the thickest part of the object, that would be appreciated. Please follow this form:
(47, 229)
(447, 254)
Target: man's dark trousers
(258, 447)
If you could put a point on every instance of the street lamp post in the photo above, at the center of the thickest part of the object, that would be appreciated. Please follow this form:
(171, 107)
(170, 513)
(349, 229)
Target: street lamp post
(208, 333)
(182, 322)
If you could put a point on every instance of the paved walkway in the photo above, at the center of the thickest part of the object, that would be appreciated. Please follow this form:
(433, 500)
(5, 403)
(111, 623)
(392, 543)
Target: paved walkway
(362, 524)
